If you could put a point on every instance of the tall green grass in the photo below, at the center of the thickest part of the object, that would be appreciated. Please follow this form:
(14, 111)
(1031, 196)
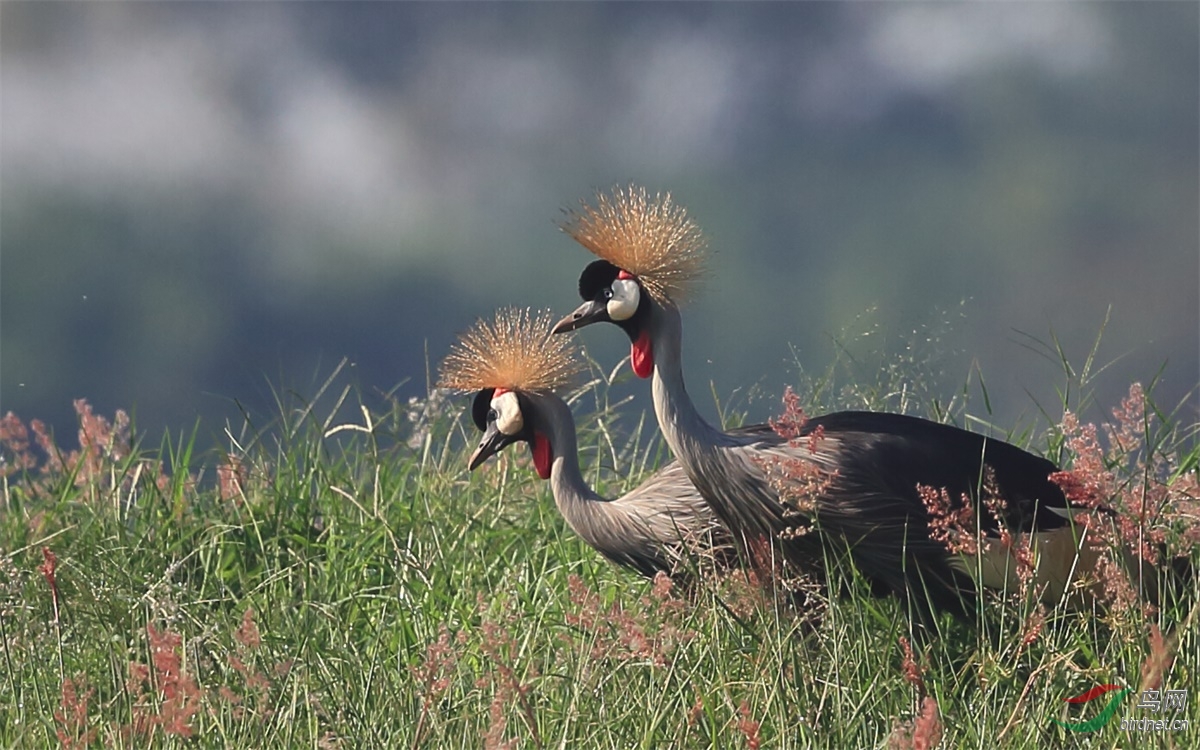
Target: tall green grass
(338, 579)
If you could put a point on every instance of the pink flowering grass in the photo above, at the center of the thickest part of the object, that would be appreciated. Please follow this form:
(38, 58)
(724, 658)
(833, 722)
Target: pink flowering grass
(1138, 473)
(1136, 489)
(748, 727)
(648, 630)
(924, 732)
(324, 583)
(72, 728)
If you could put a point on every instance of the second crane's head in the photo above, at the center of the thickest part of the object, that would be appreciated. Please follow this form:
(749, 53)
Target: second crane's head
(650, 252)
(513, 364)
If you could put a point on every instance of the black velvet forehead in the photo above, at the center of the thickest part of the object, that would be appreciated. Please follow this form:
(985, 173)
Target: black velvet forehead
(598, 275)
(480, 406)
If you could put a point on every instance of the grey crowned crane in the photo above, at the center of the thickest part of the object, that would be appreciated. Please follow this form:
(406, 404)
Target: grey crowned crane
(873, 467)
(514, 365)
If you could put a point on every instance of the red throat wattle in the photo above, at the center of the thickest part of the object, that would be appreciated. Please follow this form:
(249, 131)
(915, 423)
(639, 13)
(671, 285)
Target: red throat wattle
(542, 455)
(641, 355)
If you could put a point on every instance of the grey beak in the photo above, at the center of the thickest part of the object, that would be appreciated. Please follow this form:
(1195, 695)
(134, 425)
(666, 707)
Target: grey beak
(590, 312)
(492, 442)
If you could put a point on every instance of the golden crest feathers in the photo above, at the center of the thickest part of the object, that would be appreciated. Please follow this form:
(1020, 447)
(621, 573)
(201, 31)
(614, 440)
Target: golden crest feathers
(514, 350)
(649, 236)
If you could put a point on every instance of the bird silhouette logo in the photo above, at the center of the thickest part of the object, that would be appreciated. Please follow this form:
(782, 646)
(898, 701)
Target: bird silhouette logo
(1105, 715)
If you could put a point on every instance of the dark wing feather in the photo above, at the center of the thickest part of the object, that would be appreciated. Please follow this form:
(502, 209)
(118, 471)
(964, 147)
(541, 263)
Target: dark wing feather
(874, 505)
(910, 451)
(760, 432)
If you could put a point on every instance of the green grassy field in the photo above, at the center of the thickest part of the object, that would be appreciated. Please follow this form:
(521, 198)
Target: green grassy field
(335, 582)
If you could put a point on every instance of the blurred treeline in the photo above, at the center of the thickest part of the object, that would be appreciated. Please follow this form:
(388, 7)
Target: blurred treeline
(202, 203)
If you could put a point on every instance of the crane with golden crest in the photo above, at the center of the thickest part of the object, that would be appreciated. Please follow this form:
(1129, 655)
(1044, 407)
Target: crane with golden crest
(852, 482)
(515, 366)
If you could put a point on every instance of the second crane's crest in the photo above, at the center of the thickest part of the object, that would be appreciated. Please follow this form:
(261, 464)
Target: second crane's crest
(648, 236)
(515, 350)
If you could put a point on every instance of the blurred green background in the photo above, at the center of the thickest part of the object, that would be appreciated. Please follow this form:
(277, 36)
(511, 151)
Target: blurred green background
(202, 201)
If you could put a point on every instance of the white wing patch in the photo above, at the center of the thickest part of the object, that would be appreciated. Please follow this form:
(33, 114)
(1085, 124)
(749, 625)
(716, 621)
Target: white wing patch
(1064, 562)
(625, 299)
(508, 413)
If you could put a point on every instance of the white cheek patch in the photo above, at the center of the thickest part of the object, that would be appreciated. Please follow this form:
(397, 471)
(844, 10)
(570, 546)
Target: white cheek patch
(508, 413)
(624, 302)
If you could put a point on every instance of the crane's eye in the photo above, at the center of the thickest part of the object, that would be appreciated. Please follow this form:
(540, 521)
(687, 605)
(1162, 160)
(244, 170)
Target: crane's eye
(508, 413)
(622, 298)
(492, 415)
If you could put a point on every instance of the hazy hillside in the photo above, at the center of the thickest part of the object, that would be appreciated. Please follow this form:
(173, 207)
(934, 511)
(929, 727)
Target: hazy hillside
(199, 200)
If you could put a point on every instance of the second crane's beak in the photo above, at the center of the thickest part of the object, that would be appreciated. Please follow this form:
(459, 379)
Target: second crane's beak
(590, 312)
(492, 442)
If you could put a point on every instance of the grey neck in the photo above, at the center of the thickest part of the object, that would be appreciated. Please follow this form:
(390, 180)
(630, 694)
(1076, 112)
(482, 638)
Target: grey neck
(733, 487)
(687, 433)
(570, 492)
(615, 528)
